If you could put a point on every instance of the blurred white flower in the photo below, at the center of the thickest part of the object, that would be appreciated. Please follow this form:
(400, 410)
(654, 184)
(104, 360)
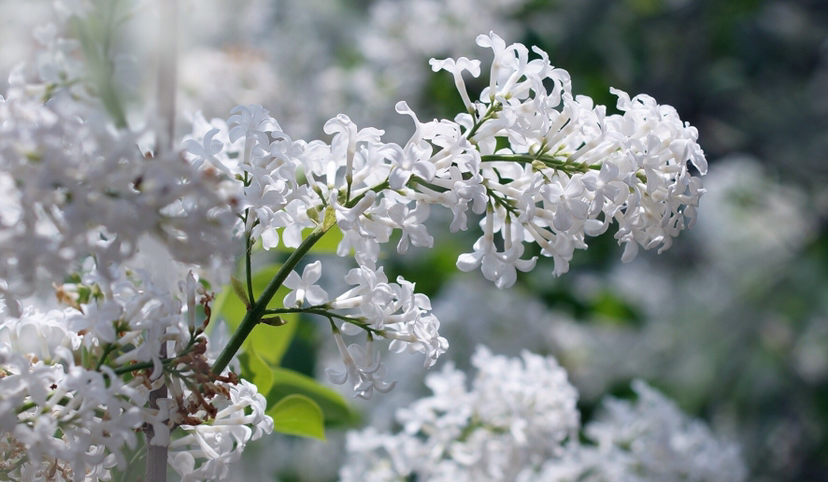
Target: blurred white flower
(518, 421)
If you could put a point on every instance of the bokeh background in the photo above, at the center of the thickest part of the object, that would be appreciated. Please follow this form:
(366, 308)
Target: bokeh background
(732, 322)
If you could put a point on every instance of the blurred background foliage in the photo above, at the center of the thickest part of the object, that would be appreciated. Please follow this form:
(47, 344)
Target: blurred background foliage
(733, 321)
(753, 77)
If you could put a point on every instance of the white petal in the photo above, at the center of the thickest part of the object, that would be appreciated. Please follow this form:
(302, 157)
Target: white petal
(293, 281)
(312, 273)
(469, 261)
(270, 239)
(335, 376)
(316, 295)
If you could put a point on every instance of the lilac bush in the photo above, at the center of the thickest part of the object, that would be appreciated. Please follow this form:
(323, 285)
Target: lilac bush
(134, 239)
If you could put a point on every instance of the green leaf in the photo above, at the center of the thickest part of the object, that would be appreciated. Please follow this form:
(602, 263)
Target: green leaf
(326, 245)
(219, 309)
(257, 371)
(238, 288)
(288, 382)
(271, 342)
(298, 415)
(268, 342)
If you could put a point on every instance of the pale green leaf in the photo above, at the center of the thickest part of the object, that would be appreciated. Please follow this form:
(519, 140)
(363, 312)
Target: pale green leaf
(288, 382)
(257, 371)
(268, 342)
(298, 415)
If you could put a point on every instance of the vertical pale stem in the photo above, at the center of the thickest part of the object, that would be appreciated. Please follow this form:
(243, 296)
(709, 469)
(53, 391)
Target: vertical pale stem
(168, 57)
(156, 454)
(167, 73)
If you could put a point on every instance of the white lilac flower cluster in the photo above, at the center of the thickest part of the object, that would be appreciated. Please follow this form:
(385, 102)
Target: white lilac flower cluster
(72, 186)
(284, 186)
(540, 164)
(61, 372)
(518, 421)
(218, 439)
(83, 206)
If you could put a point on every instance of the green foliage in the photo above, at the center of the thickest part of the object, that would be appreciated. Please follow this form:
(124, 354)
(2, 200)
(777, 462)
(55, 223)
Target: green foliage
(267, 342)
(96, 36)
(326, 245)
(429, 270)
(301, 354)
(298, 415)
(238, 289)
(257, 371)
(610, 308)
(302, 403)
(646, 7)
(288, 382)
(136, 461)
(445, 102)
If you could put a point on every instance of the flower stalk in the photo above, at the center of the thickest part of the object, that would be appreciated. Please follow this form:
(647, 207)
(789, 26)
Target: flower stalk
(259, 307)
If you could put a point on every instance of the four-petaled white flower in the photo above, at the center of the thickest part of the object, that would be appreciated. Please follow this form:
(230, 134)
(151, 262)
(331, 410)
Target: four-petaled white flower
(304, 287)
(411, 222)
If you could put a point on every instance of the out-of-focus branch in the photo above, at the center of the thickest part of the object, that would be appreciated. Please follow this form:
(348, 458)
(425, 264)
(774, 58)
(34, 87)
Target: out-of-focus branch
(167, 73)
(168, 57)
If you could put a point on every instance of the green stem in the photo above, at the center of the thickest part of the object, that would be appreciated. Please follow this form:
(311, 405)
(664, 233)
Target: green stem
(30, 405)
(379, 187)
(248, 262)
(493, 108)
(110, 347)
(504, 203)
(321, 310)
(552, 162)
(282, 311)
(139, 366)
(423, 182)
(149, 364)
(259, 307)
